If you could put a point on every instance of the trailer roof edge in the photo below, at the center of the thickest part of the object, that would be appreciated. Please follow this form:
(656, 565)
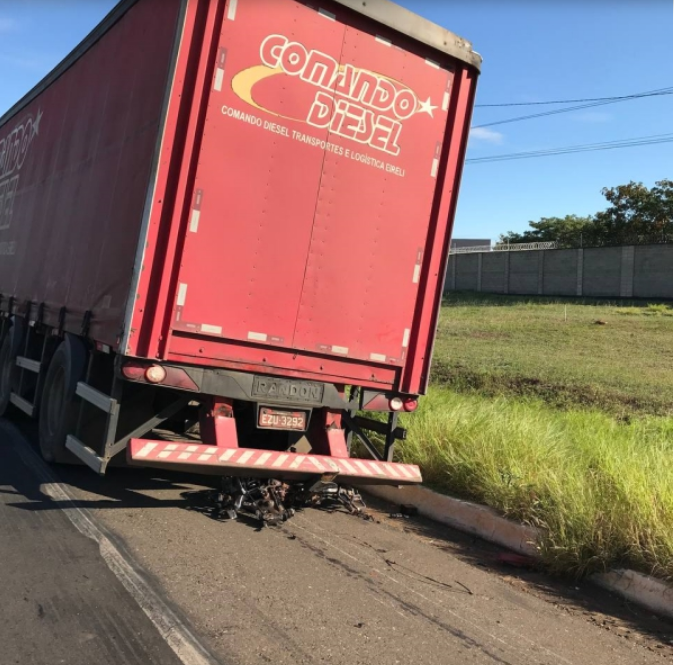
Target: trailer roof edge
(383, 11)
(422, 30)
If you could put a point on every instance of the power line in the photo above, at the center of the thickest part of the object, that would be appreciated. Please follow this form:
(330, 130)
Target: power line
(652, 93)
(587, 147)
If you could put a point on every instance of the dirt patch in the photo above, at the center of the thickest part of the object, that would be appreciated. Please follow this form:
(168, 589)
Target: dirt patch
(558, 395)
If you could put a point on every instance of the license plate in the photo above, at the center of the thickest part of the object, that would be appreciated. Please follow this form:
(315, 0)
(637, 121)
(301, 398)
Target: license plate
(279, 419)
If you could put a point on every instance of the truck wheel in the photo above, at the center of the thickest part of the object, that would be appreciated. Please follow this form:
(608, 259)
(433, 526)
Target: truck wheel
(7, 372)
(9, 350)
(58, 409)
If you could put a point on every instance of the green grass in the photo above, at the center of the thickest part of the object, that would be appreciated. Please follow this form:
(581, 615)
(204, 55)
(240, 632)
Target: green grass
(557, 413)
(572, 354)
(601, 490)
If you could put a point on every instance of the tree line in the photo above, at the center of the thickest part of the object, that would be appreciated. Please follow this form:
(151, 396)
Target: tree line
(636, 215)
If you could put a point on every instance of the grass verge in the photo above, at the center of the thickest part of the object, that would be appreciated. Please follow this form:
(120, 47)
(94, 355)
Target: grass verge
(600, 489)
(616, 357)
(556, 412)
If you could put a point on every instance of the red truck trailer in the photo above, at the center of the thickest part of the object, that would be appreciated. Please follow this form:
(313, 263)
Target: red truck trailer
(234, 213)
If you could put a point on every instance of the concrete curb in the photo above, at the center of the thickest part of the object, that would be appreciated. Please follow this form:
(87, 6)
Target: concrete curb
(639, 588)
(463, 515)
(649, 592)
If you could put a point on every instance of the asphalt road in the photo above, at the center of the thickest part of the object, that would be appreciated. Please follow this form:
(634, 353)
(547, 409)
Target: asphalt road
(60, 603)
(323, 588)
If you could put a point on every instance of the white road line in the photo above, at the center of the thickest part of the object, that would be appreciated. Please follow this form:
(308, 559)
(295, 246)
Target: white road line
(175, 633)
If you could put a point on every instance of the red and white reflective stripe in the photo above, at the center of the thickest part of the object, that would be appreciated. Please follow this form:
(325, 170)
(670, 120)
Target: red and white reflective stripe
(186, 453)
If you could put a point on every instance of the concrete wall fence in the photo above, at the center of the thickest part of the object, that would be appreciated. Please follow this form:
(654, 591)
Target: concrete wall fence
(641, 271)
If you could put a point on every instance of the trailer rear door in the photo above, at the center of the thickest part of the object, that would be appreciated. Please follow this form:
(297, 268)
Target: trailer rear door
(315, 182)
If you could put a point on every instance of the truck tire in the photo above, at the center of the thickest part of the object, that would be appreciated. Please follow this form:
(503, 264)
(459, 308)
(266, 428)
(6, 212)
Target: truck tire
(9, 350)
(58, 408)
(7, 371)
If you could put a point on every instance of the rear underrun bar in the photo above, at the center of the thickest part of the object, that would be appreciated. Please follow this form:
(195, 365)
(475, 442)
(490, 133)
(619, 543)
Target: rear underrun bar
(248, 462)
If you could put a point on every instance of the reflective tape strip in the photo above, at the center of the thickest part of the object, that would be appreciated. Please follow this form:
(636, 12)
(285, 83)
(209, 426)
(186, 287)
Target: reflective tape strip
(220, 69)
(165, 453)
(211, 451)
(392, 470)
(184, 455)
(434, 168)
(297, 462)
(245, 457)
(204, 457)
(257, 337)
(192, 449)
(348, 466)
(377, 468)
(219, 78)
(194, 221)
(231, 10)
(406, 338)
(281, 459)
(262, 459)
(146, 449)
(227, 454)
(182, 294)
(445, 101)
(340, 349)
(171, 446)
(417, 274)
(378, 357)
(211, 330)
(363, 468)
(316, 463)
(406, 471)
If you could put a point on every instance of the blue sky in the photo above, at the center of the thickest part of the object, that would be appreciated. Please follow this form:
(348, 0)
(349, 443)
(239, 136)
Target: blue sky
(533, 51)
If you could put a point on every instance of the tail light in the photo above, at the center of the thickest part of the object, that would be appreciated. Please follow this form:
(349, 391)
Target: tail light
(396, 404)
(155, 374)
(410, 404)
(165, 375)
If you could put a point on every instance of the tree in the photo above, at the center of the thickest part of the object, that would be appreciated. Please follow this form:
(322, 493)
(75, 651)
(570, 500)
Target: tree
(566, 231)
(637, 215)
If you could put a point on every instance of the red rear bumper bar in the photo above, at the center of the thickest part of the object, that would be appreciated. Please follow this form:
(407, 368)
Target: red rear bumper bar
(248, 462)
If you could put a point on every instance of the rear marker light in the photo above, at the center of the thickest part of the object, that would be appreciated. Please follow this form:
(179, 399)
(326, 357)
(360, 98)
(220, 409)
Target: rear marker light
(410, 405)
(155, 374)
(133, 371)
(396, 404)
